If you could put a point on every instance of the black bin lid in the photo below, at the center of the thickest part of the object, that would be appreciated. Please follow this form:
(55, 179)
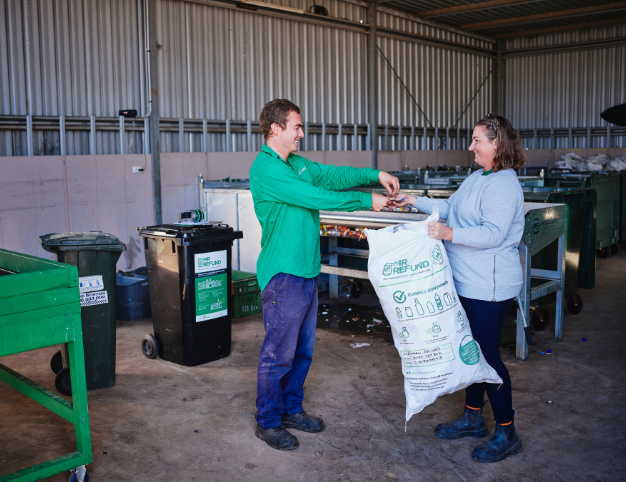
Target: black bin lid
(81, 241)
(186, 234)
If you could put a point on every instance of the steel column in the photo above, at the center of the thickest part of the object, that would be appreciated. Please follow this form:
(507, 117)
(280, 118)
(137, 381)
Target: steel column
(29, 134)
(204, 135)
(339, 143)
(155, 140)
(92, 135)
(249, 135)
(372, 80)
(62, 134)
(227, 135)
(122, 126)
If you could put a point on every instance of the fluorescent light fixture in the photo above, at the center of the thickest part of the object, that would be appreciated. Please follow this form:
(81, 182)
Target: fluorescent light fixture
(273, 6)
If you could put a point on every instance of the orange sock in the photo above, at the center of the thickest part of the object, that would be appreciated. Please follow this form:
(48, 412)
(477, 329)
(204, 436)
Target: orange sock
(504, 424)
(472, 408)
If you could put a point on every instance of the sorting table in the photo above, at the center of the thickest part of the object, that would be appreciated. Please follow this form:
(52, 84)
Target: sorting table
(544, 223)
(40, 307)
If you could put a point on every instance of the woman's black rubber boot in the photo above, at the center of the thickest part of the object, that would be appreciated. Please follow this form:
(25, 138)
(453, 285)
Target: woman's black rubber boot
(504, 442)
(470, 424)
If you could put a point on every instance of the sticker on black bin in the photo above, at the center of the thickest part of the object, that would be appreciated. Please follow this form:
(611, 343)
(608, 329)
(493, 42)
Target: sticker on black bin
(211, 285)
(93, 298)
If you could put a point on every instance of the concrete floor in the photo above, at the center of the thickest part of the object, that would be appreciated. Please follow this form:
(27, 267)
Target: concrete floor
(166, 422)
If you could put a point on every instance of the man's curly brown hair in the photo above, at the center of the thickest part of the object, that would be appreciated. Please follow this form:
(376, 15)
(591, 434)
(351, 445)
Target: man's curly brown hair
(509, 151)
(276, 112)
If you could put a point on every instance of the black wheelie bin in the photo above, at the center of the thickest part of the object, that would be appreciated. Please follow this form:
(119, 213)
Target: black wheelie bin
(189, 277)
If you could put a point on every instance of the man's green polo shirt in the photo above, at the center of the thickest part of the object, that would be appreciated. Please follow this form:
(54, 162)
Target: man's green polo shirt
(287, 199)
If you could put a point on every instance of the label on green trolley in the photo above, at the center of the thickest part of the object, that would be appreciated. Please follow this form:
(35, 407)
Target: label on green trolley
(211, 283)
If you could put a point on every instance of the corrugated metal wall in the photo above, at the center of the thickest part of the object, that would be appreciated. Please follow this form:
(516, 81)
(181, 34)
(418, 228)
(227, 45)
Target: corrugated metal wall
(566, 89)
(71, 57)
(87, 58)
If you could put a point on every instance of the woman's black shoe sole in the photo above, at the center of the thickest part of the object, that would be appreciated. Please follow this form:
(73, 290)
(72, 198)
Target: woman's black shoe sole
(512, 451)
(468, 433)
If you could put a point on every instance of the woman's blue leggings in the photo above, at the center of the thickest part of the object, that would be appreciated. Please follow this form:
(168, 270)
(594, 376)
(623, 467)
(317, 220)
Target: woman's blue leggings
(486, 320)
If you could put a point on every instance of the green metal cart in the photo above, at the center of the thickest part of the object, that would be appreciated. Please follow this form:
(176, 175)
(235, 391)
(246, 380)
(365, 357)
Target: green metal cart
(40, 307)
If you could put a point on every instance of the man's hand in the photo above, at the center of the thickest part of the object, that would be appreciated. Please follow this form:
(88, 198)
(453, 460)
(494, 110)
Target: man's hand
(379, 202)
(389, 182)
(439, 231)
(402, 200)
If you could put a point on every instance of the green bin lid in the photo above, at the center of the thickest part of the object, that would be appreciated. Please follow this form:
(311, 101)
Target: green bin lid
(240, 275)
(81, 240)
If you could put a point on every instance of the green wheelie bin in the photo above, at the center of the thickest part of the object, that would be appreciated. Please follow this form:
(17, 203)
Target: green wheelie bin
(608, 186)
(95, 254)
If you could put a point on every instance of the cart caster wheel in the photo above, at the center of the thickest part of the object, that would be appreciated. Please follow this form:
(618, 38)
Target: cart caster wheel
(63, 382)
(539, 319)
(356, 289)
(149, 346)
(604, 252)
(57, 362)
(614, 249)
(574, 304)
(74, 477)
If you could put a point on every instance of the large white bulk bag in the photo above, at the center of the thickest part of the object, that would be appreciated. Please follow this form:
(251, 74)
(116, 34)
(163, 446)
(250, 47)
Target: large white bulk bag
(413, 280)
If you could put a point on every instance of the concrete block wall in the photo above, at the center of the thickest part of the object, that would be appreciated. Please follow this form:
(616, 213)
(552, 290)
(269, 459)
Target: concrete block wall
(40, 195)
(52, 194)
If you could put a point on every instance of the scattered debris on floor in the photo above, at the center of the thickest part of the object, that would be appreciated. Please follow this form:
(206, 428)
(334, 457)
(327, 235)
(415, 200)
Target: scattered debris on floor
(359, 345)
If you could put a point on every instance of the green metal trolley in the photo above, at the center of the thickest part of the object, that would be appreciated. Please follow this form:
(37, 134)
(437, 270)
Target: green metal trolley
(40, 307)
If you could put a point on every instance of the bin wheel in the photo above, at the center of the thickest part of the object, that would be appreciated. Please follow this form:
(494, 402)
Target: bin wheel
(56, 363)
(574, 304)
(63, 382)
(614, 249)
(356, 289)
(149, 346)
(539, 319)
(604, 252)
(74, 476)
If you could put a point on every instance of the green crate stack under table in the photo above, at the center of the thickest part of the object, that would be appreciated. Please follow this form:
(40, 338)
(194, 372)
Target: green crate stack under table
(246, 294)
(40, 307)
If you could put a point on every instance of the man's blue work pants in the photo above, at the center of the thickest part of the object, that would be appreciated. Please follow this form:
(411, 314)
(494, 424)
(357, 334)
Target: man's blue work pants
(289, 317)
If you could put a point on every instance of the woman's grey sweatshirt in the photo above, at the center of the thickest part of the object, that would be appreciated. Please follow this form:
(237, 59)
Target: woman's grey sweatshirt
(487, 218)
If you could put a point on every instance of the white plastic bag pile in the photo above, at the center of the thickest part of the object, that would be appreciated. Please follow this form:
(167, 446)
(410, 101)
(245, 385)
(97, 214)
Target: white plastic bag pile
(600, 162)
(413, 280)
(619, 163)
(571, 161)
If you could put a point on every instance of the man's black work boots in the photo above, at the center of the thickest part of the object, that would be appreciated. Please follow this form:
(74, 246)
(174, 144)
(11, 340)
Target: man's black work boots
(470, 424)
(278, 437)
(303, 422)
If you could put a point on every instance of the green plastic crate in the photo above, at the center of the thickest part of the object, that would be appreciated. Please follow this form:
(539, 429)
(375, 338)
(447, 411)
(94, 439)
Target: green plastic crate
(246, 294)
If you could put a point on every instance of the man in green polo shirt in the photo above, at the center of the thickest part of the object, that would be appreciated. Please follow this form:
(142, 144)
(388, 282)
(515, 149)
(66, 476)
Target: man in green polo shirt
(288, 192)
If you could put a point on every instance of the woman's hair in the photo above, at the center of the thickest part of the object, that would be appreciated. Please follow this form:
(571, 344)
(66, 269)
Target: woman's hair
(276, 112)
(509, 150)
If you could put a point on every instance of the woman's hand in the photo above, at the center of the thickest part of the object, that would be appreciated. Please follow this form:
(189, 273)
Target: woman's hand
(402, 200)
(439, 231)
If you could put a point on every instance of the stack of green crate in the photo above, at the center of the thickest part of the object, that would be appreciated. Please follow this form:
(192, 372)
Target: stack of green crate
(246, 294)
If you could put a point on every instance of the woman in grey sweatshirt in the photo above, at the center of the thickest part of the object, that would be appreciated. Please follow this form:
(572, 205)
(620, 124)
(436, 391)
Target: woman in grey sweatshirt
(485, 225)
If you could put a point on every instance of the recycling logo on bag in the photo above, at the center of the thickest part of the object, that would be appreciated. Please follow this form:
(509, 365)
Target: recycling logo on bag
(436, 255)
(387, 270)
(399, 296)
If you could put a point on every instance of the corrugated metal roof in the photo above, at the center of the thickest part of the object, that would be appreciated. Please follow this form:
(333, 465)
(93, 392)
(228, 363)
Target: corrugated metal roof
(508, 18)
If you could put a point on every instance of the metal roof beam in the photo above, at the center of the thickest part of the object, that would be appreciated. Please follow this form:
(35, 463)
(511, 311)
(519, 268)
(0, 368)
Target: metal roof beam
(440, 12)
(545, 16)
(578, 26)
